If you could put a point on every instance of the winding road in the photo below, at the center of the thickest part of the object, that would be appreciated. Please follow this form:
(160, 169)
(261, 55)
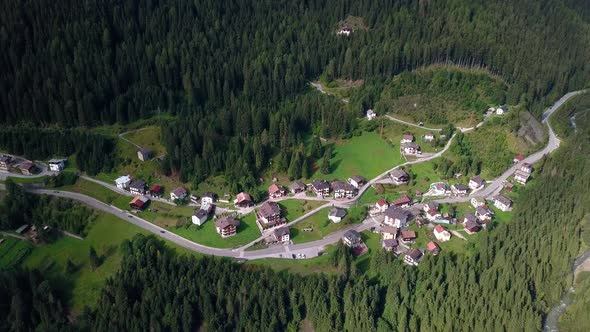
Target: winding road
(314, 247)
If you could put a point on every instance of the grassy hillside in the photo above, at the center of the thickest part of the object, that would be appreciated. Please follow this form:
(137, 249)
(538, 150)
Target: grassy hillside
(438, 95)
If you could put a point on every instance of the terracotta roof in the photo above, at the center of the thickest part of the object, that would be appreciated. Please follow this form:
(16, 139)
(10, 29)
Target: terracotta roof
(408, 137)
(27, 165)
(244, 197)
(519, 157)
(381, 202)
(405, 199)
(408, 235)
(432, 246)
(274, 188)
(139, 201)
(156, 189)
(439, 228)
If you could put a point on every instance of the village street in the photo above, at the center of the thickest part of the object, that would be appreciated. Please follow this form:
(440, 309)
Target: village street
(314, 246)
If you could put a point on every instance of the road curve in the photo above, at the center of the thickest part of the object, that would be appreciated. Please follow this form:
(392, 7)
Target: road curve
(496, 185)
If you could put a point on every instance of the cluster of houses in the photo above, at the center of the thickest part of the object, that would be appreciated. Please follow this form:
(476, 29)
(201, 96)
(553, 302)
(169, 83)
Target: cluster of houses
(26, 167)
(523, 172)
(408, 146)
(321, 188)
(500, 110)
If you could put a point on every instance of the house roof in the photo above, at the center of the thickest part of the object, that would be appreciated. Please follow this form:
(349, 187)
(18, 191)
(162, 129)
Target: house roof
(411, 145)
(244, 197)
(200, 213)
(274, 188)
(483, 210)
(432, 246)
(415, 254)
(470, 217)
(439, 229)
(389, 229)
(337, 212)
(179, 191)
(382, 202)
(478, 180)
(226, 222)
(472, 226)
(297, 185)
(352, 235)
(123, 179)
(340, 185)
(281, 231)
(408, 235)
(370, 112)
(398, 173)
(358, 179)
(390, 243)
(269, 209)
(432, 205)
(433, 212)
(429, 135)
(320, 185)
(5, 159)
(156, 188)
(139, 201)
(57, 160)
(397, 213)
(503, 200)
(522, 174)
(405, 199)
(145, 151)
(26, 165)
(519, 157)
(408, 137)
(461, 187)
(138, 184)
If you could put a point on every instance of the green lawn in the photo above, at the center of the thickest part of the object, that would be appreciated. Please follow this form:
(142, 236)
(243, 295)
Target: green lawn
(367, 155)
(84, 285)
(28, 180)
(373, 243)
(321, 264)
(293, 208)
(148, 137)
(390, 192)
(207, 235)
(13, 251)
(95, 190)
(321, 225)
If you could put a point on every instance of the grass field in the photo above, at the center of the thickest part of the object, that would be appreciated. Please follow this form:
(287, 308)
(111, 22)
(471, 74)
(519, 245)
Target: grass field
(148, 137)
(320, 224)
(373, 243)
(207, 235)
(95, 190)
(367, 155)
(292, 209)
(314, 265)
(28, 180)
(13, 251)
(85, 284)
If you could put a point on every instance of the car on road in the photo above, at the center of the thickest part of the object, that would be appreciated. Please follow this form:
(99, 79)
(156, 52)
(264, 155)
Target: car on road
(162, 232)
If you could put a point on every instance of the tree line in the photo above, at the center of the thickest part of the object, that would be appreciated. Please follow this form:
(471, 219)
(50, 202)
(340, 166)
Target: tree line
(94, 152)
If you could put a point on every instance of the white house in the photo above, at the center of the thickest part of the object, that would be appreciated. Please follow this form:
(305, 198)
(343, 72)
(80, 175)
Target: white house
(410, 148)
(429, 137)
(439, 189)
(371, 114)
(413, 257)
(123, 182)
(476, 182)
(357, 181)
(336, 214)
(178, 193)
(207, 198)
(501, 110)
(477, 202)
(396, 217)
(521, 177)
(281, 234)
(199, 217)
(344, 31)
(381, 205)
(483, 213)
(502, 203)
(441, 233)
(56, 165)
(399, 177)
(433, 215)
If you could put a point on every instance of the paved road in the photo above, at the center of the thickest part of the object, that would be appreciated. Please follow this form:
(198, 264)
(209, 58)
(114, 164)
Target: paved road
(495, 186)
(409, 123)
(275, 251)
(43, 170)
